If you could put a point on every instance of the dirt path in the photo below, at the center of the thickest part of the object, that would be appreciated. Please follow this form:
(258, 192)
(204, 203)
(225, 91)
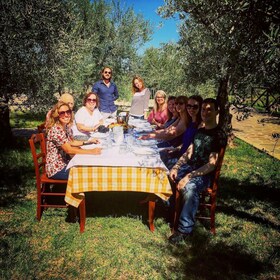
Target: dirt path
(258, 130)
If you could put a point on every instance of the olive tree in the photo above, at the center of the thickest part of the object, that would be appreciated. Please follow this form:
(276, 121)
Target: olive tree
(229, 42)
(47, 45)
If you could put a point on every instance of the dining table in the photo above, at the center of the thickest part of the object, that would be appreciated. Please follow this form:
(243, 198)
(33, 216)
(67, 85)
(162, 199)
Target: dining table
(125, 164)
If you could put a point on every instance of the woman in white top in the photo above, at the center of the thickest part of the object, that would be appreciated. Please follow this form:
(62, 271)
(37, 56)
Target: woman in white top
(140, 101)
(88, 118)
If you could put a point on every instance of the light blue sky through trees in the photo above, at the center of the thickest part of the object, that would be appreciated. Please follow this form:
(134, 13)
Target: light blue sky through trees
(164, 30)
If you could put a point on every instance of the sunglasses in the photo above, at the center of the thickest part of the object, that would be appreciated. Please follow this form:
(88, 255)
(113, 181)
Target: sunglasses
(179, 103)
(195, 107)
(107, 72)
(91, 100)
(63, 113)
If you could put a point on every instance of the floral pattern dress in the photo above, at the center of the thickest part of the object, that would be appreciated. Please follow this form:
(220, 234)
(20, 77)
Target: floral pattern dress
(56, 158)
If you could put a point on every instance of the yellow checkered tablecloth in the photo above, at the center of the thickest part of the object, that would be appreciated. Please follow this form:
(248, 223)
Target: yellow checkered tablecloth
(107, 178)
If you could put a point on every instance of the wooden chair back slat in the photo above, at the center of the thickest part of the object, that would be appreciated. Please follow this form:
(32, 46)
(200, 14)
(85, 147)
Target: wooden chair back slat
(39, 151)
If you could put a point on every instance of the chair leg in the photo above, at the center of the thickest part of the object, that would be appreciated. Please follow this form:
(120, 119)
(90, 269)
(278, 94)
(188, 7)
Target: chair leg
(152, 206)
(39, 206)
(82, 212)
(212, 217)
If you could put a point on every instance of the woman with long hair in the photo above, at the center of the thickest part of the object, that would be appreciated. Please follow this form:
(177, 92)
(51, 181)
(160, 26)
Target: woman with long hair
(60, 143)
(173, 135)
(170, 157)
(140, 100)
(172, 113)
(159, 114)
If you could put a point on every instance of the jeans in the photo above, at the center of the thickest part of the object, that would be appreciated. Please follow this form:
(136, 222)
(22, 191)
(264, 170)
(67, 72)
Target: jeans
(61, 175)
(164, 144)
(190, 198)
(169, 158)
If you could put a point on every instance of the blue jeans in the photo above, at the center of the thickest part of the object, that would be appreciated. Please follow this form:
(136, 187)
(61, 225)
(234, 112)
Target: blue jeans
(169, 158)
(190, 198)
(62, 174)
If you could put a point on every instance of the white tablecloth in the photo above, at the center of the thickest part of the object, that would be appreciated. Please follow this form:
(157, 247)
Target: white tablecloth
(113, 157)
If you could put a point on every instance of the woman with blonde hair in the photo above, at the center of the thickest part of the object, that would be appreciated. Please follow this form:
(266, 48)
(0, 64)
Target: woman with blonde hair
(173, 135)
(60, 143)
(159, 114)
(140, 101)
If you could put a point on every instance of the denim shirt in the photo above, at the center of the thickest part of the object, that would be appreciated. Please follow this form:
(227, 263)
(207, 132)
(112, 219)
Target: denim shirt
(107, 96)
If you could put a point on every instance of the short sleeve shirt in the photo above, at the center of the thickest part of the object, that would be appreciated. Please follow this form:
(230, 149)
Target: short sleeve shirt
(56, 158)
(107, 96)
(206, 141)
(84, 117)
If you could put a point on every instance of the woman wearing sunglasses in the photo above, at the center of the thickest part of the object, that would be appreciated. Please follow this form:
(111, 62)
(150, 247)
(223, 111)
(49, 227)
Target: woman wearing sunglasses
(60, 143)
(88, 118)
(170, 157)
(173, 134)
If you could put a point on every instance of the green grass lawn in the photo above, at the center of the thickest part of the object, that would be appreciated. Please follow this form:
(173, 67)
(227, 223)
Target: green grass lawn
(117, 243)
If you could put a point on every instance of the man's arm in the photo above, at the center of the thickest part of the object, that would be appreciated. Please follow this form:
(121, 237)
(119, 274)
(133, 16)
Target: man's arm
(182, 160)
(95, 88)
(203, 170)
(116, 93)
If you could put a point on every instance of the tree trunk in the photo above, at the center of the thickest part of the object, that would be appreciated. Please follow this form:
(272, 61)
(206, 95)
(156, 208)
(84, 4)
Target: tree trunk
(6, 136)
(225, 116)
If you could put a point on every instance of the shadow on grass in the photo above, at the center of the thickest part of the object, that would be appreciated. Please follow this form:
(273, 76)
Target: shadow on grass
(17, 172)
(15, 185)
(203, 259)
(117, 204)
(248, 196)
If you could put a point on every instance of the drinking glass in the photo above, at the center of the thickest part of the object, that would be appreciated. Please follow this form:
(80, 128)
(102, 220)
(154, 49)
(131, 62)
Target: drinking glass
(118, 134)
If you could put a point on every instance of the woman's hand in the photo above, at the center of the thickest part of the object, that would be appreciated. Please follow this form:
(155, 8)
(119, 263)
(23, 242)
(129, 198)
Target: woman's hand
(144, 137)
(93, 141)
(95, 127)
(155, 122)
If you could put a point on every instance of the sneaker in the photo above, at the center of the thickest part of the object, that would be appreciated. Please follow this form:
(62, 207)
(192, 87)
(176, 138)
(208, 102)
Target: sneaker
(178, 237)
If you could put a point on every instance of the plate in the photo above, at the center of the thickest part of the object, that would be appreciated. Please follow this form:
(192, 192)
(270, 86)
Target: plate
(91, 146)
(147, 129)
(144, 151)
(99, 135)
(148, 142)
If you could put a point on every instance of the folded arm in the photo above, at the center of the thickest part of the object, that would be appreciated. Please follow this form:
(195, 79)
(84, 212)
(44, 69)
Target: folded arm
(203, 170)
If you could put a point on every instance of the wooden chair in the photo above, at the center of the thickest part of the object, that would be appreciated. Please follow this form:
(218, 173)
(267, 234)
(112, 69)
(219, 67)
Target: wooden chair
(45, 186)
(41, 127)
(208, 198)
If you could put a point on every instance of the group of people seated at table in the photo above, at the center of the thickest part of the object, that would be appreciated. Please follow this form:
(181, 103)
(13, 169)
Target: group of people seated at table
(186, 129)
